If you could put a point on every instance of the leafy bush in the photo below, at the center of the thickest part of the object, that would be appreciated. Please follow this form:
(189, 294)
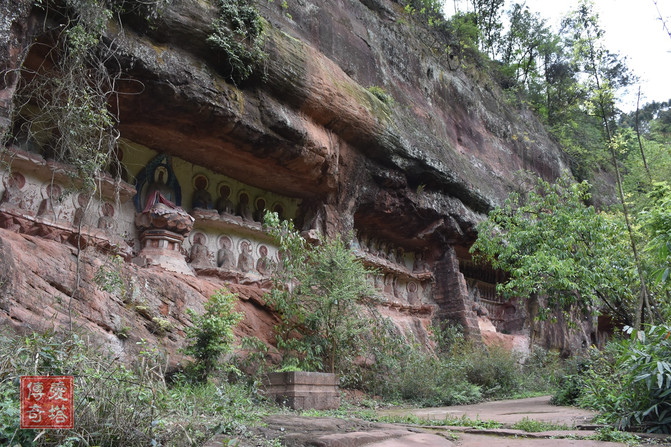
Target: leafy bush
(629, 382)
(212, 333)
(496, 371)
(117, 404)
(318, 292)
(571, 382)
(541, 372)
(459, 372)
(381, 94)
(533, 426)
(238, 34)
(528, 238)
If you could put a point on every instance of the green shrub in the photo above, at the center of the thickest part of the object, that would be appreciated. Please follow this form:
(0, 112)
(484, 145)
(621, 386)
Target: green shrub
(212, 333)
(402, 369)
(116, 404)
(238, 34)
(319, 294)
(496, 371)
(382, 95)
(570, 383)
(533, 426)
(629, 382)
(541, 372)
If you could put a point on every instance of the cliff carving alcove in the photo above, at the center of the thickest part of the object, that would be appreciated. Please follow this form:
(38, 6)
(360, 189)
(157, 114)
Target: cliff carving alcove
(304, 137)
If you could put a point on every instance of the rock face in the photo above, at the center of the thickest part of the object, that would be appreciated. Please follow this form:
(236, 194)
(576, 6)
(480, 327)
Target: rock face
(304, 136)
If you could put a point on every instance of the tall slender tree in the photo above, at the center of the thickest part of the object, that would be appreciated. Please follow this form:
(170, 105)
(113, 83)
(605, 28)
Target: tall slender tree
(605, 73)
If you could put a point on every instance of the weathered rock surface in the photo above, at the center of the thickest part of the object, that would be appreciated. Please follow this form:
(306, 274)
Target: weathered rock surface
(40, 291)
(324, 135)
(418, 172)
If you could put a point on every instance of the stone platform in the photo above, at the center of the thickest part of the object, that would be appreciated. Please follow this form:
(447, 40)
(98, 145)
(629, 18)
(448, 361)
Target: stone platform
(303, 390)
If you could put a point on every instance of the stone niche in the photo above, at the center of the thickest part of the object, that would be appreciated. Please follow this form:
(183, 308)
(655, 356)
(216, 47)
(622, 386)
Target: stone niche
(402, 280)
(40, 197)
(303, 390)
(506, 315)
(227, 239)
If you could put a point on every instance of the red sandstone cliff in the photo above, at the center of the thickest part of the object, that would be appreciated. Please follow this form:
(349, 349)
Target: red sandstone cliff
(417, 173)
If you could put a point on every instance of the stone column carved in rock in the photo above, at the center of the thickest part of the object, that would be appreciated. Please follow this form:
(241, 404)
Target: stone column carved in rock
(162, 227)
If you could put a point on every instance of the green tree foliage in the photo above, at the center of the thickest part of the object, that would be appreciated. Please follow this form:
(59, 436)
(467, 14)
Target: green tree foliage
(319, 295)
(211, 335)
(527, 37)
(628, 382)
(487, 15)
(553, 245)
(658, 223)
(62, 105)
(606, 71)
(238, 35)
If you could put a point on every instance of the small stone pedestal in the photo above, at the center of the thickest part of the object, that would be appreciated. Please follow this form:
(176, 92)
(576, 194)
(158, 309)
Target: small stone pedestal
(302, 390)
(162, 230)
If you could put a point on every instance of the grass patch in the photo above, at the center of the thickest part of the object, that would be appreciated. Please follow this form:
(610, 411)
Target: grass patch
(608, 434)
(532, 426)
(463, 421)
(122, 404)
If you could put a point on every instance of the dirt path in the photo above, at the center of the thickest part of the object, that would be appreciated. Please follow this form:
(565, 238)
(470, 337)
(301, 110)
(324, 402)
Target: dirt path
(507, 412)
(299, 431)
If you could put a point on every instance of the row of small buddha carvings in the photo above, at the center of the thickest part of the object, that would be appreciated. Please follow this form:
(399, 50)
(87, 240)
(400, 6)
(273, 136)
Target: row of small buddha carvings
(384, 251)
(48, 201)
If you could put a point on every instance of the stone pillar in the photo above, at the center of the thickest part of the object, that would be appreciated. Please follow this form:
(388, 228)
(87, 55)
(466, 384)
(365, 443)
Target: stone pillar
(302, 390)
(162, 229)
(451, 295)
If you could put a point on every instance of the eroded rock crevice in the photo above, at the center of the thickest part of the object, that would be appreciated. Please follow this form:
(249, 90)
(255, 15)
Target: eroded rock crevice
(408, 179)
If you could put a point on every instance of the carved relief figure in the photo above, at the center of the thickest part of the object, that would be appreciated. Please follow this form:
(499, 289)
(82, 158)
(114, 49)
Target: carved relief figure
(412, 288)
(391, 254)
(396, 287)
(225, 259)
(372, 246)
(157, 183)
(279, 265)
(382, 250)
(106, 221)
(224, 204)
(243, 207)
(389, 283)
(53, 197)
(264, 265)
(13, 194)
(279, 209)
(201, 197)
(245, 259)
(427, 291)
(370, 279)
(116, 167)
(379, 282)
(364, 242)
(200, 255)
(260, 212)
(314, 218)
(474, 295)
(420, 264)
(80, 213)
(158, 190)
(400, 257)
